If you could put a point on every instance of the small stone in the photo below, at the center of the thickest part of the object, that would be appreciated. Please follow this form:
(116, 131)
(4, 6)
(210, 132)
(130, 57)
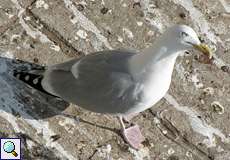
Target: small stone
(76, 38)
(46, 6)
(199, 117)
(150, 33)
(141, 13)
(140, 23)
(35, 60)
(55, 137)
(187, 52)
(124, 5)
(217, 107)
(82, 34)
(208, 91)
(109, 32)
(164, 132)
(182, 15)
(220, 149)
(80, 7)
(171, 151)
(151, 144)
(146, 142)
(225, 68)
(189, 154)
(128, 33)
(27, 18)
(202, 101)
(104, 10)
(203, 59)
(8, 10)
(120, 39)
(32, 46)
(156, 120)
(39, 133)
(201, 39)
(137, 4)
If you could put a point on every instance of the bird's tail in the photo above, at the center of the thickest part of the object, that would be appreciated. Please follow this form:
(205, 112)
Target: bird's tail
(33, 78)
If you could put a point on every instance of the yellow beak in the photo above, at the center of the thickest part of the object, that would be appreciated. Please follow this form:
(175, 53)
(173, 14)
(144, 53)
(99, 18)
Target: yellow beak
(204, 49)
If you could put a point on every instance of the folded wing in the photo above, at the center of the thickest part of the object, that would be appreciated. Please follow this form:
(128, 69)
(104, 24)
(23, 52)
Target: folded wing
(100, 82)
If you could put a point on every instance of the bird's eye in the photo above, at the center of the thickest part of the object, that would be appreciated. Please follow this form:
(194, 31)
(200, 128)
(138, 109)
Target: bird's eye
(184, 34)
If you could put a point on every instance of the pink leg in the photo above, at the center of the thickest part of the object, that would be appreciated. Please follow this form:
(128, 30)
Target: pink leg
(127, 118)
(132, 135)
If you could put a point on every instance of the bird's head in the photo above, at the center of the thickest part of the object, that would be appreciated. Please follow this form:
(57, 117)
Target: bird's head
(186, 38)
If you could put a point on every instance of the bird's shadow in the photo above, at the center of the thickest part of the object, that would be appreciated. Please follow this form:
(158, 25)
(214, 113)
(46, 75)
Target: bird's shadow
(19, 99)
(36, 151)
(77, 119)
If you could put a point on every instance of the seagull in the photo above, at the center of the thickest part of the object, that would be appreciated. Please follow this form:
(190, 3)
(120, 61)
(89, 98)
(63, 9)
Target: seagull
(118, 82)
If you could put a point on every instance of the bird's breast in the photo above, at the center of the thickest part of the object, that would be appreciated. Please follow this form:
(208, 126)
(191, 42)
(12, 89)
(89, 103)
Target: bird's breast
(156, 83)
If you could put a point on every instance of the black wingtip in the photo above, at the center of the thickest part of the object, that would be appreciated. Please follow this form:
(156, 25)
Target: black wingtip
(31, 79)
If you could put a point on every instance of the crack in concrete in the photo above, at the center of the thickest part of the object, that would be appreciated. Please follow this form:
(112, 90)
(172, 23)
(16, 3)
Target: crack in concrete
(176, 136)
(85, 22)
(199, 125)
(54, 35)
(226, 5)
(8, 25)
(31, 5)
(205, 28)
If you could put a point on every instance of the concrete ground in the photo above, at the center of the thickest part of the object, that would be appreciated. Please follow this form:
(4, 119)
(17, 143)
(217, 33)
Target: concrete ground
(192, 122)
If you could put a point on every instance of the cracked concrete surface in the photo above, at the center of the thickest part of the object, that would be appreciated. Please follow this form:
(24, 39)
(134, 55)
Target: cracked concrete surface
(192, 121)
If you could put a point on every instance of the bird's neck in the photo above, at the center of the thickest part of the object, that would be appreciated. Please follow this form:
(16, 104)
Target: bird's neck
(157, 54)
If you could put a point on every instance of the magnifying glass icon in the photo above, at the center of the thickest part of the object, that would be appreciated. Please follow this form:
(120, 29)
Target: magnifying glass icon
(9, 147)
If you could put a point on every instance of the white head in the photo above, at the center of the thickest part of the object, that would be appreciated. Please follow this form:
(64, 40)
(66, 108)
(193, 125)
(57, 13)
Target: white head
(182, 37)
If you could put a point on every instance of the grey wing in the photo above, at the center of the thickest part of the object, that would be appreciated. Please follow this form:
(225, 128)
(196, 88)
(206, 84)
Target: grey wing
(100, 82)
